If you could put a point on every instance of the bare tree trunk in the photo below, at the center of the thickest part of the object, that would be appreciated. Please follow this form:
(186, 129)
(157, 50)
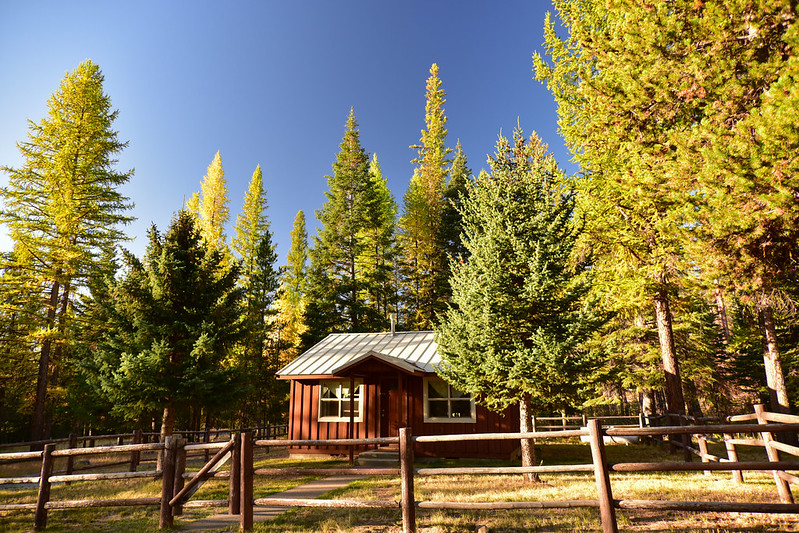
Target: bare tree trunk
(721, 315)
(675, 402)
(167, 427)
(772, 360)
(527, 445)
(38, 422)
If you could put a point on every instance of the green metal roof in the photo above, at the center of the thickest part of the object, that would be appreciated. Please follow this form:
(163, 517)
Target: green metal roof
(413, 351)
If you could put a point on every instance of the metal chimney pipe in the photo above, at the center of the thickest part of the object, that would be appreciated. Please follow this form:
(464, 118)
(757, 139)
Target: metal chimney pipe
(393, 319)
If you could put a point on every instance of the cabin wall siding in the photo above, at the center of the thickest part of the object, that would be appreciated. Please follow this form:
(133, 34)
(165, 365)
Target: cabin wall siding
(304, 424)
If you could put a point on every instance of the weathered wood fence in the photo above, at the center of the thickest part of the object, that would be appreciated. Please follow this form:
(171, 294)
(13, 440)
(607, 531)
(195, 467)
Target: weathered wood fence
(176, 490)
(141, 437)
(563, 422)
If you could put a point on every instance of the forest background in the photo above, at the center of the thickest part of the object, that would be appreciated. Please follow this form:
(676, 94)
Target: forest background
(687, 232)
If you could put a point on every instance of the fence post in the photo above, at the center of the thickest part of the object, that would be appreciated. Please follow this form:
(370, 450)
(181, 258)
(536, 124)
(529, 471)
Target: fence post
(73, 443)
(408, 501)
(246, 490)
(532, 418)
(686, 441)
(783, 488)
(234, 500)
(702, 440)
(180, 468)
(91, 441)
(40, 519)
(732, 455)
(135, 457)
(607, 512)
(168, 481)
(207, 439)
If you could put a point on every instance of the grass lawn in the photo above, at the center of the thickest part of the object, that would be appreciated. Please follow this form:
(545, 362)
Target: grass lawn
(758, 487)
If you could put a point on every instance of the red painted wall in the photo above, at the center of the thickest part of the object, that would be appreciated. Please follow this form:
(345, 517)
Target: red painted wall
(303, 423)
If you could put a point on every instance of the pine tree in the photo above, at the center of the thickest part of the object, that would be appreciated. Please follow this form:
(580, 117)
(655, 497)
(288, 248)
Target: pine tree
(423, 257)
(687, 105)
(259, 281)
(251, 224)
(173, 320)
(291, 299)
(211, 205)
(740, 158)
(519, 314)
(335, 287)
(616, 129)
(460, 177)
(376, 263)
(62, 207)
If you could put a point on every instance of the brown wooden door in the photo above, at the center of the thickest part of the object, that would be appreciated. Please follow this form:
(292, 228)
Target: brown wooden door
(389, 402)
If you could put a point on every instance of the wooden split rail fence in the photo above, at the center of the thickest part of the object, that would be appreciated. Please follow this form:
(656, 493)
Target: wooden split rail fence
(176, 491)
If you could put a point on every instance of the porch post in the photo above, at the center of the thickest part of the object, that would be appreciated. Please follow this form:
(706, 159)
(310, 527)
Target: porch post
(403, 401)
(351, 428)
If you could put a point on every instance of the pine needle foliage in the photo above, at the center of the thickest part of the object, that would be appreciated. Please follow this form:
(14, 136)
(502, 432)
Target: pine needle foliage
(173, 320)
(519, 312)
(63, 208)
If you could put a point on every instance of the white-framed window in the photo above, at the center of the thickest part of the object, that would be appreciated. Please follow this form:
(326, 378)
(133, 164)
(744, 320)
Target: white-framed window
(334, 401)
(445, 403)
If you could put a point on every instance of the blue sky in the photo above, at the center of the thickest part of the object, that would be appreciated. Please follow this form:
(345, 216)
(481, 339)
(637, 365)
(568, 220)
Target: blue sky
(271, 83)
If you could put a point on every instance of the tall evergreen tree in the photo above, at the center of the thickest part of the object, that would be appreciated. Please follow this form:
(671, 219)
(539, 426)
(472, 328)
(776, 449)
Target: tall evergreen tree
(684, 105)
(173, 320)
(259, 280)
(335, 286)
(376, 263)
(291, 299)
(423, 257)
(460, 177)
(211, 205)
(62, 207)
(519, 313)
(740, 160)
(616, 131)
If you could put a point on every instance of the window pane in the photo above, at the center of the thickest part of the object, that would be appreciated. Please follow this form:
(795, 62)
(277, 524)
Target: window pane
(461, 408)
(345, 408)
(329, 390)
(437, 389)
(437, 409)
(328, 408)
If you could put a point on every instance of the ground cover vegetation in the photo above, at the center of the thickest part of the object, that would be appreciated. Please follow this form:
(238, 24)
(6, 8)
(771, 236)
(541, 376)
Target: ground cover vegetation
(661, 277)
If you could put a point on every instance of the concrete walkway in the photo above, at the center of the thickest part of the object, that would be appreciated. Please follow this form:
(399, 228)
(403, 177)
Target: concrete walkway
(314, 489)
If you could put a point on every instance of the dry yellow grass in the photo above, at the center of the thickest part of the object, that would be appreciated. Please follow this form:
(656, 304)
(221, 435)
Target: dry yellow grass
(671, 486)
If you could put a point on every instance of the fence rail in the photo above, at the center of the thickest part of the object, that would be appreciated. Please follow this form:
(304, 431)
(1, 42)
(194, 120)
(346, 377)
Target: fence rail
(177, 485)
(139, 436)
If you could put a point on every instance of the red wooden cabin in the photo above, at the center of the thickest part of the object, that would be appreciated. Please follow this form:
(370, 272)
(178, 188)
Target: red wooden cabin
(364, 385)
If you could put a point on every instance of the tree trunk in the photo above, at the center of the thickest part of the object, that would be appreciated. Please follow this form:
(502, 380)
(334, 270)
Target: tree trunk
(37, 425)
(674, 397)
(721, 315)
(772, 360)
(167, 427)
(647, 402)
(527, 445)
